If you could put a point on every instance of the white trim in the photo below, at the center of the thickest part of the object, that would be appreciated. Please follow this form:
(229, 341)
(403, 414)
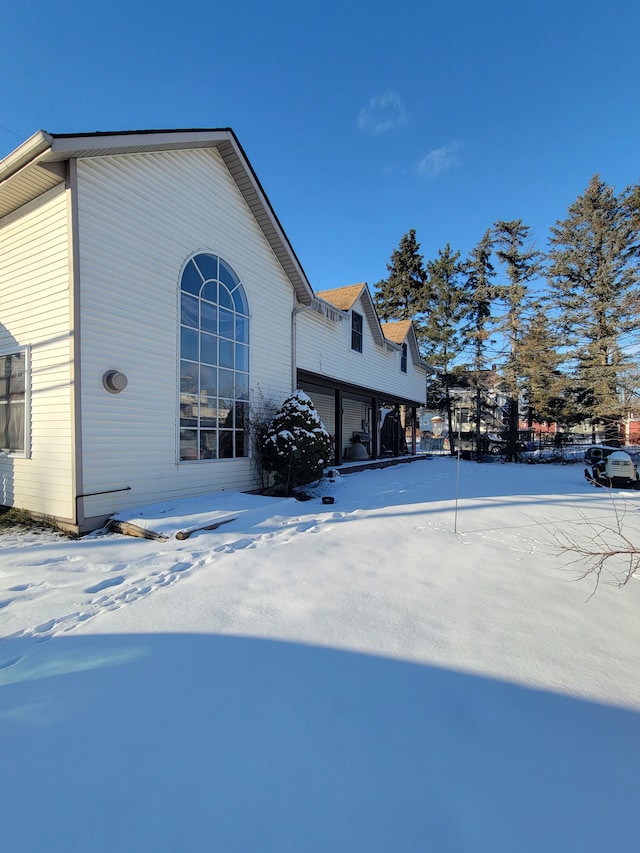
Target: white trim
(216, 459)
(32, 205)
(361, 333)
(14, 350)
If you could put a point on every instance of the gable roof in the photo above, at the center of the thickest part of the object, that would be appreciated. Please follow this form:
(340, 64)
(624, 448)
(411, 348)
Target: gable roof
(345, 298)
(399, 331)
(39, 164)
(396, 330)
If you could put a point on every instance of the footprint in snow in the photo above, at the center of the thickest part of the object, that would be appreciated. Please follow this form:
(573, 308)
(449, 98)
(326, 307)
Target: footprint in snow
(308, 527)
(241, 544)
(105, 584)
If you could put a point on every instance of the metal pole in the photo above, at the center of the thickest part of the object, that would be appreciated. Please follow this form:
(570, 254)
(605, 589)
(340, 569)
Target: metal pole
(455, 522)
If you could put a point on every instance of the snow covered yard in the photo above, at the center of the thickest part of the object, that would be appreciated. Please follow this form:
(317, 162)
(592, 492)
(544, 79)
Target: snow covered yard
(352, 677)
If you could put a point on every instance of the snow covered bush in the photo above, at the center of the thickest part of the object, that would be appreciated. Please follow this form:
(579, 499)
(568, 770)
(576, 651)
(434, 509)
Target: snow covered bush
(296, 446)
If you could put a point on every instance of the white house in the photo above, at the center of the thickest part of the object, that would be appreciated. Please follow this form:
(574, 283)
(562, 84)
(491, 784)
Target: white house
(148, 297)
(354, 368)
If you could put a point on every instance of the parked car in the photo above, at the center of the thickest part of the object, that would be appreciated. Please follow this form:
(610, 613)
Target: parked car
(610, 467)
(493, 443)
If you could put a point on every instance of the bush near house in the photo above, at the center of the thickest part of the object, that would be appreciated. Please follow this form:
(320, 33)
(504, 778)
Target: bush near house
(296, 446)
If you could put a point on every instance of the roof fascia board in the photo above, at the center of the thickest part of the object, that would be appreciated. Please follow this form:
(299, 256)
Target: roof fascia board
(366, 300)
(52, 147)
(292, 267)
(29, 150)
(67, 145)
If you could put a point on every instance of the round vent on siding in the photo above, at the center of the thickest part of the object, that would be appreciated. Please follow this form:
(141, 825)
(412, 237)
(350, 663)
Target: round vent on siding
(114, 381)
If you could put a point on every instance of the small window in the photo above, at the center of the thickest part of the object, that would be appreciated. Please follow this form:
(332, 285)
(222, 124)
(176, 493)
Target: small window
(13, 410)
(403, 358)
(356, 331)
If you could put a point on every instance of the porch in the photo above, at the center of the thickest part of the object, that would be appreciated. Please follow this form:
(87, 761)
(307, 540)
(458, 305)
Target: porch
(384, 462)
(365, 425)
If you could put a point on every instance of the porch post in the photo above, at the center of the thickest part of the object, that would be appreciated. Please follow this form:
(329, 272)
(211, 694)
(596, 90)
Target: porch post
(374, 427)
(338, 425)
(413, 431)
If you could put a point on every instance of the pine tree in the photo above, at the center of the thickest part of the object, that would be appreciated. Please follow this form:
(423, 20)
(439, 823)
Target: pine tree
(593, 277)
(296, 446)
(480, 292)
(442, 341)
(476, 331)
(523, 264)
(544, 385)
(401, 295)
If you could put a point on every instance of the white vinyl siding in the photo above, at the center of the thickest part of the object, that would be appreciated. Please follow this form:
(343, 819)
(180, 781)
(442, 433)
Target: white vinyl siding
(353, 413)
(324, 347)
(140, 218)
(35, 313)
(326, 408)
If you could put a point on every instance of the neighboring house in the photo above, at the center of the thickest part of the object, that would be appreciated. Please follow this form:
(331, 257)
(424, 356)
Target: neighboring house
(354, 368)
(485, 397)
(148, 297)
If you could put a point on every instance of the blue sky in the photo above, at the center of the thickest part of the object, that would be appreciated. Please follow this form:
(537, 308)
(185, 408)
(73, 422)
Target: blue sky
(361, 119)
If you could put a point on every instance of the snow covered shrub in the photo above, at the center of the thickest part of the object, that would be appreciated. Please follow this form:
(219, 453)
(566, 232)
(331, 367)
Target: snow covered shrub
(296, 445)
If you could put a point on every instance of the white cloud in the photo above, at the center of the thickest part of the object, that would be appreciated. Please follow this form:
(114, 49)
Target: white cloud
(439, 160)
(383, 114)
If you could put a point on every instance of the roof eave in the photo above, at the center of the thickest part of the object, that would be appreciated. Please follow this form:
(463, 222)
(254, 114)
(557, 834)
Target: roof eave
(29, 150)
(47, 147)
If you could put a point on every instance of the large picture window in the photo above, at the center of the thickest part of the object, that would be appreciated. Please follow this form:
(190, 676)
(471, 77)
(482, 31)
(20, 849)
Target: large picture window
(13, 375)
(214, 361)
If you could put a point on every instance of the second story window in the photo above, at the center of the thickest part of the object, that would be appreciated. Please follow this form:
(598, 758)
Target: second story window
(403, 358)
(356, 331)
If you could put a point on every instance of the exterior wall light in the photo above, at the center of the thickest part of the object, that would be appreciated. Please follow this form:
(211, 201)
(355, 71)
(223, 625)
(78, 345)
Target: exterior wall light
(114, 381)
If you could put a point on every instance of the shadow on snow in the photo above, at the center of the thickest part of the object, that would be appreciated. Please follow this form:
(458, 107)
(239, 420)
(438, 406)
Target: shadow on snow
(192, 742)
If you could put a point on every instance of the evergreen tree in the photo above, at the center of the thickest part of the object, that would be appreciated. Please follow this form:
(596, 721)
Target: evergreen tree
(523, 264)
(442, 341)
(480, 292)
(544, 385)
(593, 277)
(631, 207)
(401, 295)
(476, 331)
(296, 446)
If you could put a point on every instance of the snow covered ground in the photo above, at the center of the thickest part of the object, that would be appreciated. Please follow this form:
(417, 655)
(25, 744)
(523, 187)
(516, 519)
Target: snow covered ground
(310, 677)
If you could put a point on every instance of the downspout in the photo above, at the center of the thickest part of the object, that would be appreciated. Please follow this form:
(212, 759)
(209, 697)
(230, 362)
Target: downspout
(77, 477)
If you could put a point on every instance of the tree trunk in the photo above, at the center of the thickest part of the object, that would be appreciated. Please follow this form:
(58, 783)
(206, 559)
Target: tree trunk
(478, 433)
(512, 442)
(452, 447)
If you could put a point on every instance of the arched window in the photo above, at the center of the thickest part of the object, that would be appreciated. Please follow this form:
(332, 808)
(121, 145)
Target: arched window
(214, 361)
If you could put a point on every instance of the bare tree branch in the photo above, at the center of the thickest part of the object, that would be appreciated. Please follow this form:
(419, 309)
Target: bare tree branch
(602, 550)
